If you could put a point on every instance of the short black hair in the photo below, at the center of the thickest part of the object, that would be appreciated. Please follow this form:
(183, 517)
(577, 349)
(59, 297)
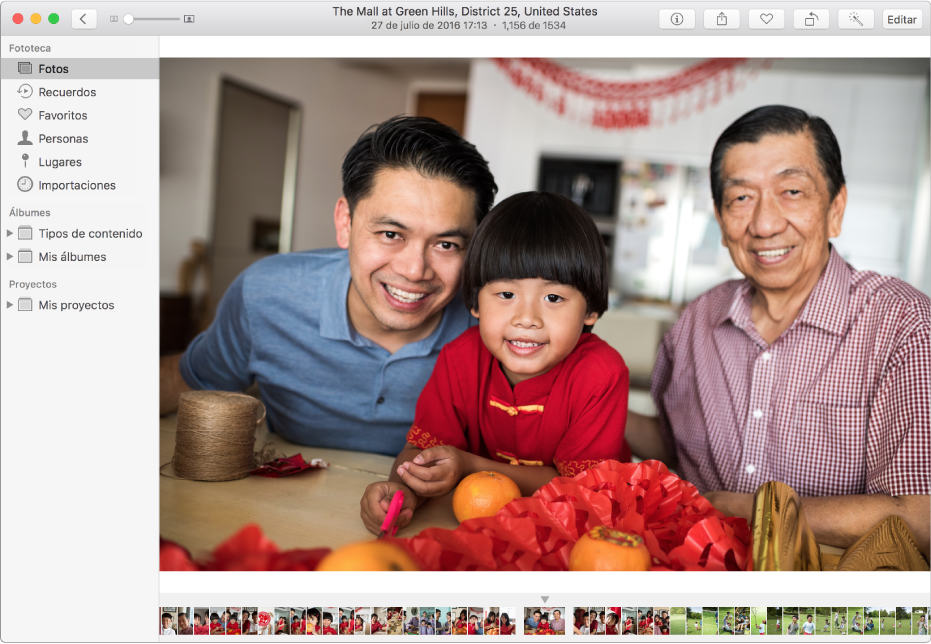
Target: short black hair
(197, 615)
(779, 119)
(328, 616)
(214, 616)
(422, 144)
(538, 235)
(168, 615)
(313, 612)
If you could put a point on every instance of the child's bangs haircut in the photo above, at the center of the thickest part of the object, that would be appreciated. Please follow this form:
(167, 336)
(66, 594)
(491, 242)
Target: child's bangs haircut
(538, 235)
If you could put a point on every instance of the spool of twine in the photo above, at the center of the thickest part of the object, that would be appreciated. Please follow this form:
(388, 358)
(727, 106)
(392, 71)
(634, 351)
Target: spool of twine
(216, 435)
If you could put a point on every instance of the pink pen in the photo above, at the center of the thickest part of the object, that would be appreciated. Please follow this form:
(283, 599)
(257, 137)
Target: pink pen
(388, 527)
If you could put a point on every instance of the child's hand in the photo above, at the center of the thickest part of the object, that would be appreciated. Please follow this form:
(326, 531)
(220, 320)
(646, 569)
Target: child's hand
(376, 501)
(436, 471)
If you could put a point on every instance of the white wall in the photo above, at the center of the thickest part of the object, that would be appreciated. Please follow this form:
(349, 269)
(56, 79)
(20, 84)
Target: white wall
(338, 101)
(878, 121)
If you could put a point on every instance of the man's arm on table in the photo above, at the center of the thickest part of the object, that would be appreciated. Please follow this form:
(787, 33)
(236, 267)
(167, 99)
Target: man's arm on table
(840, 520)
(170, 384)
(645, 440)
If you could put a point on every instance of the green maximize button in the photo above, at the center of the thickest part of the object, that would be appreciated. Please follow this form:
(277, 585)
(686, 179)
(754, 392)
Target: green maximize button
(53, 18)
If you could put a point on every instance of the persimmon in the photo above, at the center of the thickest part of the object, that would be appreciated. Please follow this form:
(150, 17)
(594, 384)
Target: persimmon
(482, 494)
(602, 548)
(368, 555)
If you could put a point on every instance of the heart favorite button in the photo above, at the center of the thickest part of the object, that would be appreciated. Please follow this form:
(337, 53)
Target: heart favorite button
(25, 112)
(766, 18)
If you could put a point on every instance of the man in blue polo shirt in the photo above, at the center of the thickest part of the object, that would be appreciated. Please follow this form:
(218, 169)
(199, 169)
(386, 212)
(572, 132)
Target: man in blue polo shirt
(341, 341)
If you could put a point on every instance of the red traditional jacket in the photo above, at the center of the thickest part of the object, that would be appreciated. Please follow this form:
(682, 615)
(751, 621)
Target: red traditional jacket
(572, 417)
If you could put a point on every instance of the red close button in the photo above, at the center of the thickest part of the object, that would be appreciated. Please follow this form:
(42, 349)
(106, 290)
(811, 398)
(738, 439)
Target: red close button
(18, 18)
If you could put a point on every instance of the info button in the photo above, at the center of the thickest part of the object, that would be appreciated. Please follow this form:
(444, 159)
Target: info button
(902, 18)
(676, 18)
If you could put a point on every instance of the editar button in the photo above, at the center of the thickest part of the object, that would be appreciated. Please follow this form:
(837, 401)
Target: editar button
(902, 19)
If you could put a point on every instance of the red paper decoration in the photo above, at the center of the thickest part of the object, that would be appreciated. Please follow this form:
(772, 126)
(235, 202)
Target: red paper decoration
(621, 105)
(678, 525)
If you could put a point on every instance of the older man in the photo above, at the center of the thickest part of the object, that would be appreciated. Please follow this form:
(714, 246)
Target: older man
(341, 341)
(807, 371)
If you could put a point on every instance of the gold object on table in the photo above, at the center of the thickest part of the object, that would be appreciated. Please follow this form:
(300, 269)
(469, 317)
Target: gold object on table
(890, 545)
(782, 539)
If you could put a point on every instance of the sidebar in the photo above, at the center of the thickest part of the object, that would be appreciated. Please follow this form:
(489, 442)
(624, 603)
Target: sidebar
(79, 179)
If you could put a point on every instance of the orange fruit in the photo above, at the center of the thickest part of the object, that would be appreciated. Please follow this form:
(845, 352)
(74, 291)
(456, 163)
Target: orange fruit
(602, 548)
(482, 494)
(368, 555)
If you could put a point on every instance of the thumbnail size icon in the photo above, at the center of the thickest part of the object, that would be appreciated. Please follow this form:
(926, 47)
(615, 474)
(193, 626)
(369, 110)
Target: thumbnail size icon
(24, 184)
(25, 91)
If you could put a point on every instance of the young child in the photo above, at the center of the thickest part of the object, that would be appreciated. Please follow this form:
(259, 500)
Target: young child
(359, 627)
(506, 627)
(611, 624)
(327, 620)
(827, 627)
(313, 622)
(232, 626)
(473, 623)
(526, 393)
(166, 624)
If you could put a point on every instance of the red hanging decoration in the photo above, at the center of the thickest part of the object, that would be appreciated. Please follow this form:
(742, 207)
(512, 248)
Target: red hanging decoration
(623, 105)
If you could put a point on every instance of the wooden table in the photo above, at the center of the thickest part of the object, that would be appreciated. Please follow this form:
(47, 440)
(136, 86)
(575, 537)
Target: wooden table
(312, 509)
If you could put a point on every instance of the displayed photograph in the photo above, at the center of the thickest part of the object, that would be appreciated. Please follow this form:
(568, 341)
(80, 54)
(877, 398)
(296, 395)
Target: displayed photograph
(903, 620)
(742, 620)
(879, 621)
(200, 620)
(628, 620)
(272, 206)
(218, 620)
(582, 620)
(185, 615)
(328, 623)
(378, 624)
(233, 624)
(645, 620)
(346, 621)
(758, 620)
(694, 620)
(673, 620)
(790, 621)
(427, 620)
(363, 621)
(541, 621)
(856, 620)
(169, 621)
(806, 620)
(476, 615)
(395, 620)
(709, 620)
(443, 620)
(839, 620)
(920, 620)
(411, 620)
(727, 620)
(823, 619)
(461, 621)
